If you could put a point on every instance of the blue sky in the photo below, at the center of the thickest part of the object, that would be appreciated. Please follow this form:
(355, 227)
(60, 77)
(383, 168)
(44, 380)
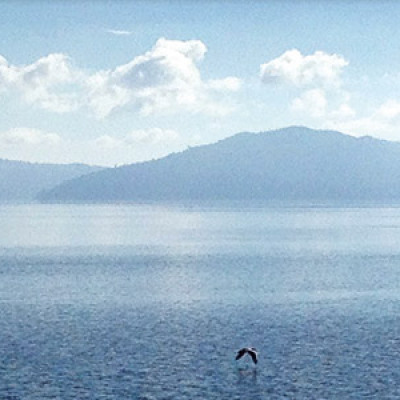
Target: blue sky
(116, 82)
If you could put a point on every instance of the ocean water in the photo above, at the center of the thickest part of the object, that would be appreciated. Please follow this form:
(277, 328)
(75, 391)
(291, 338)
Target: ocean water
(153, 301)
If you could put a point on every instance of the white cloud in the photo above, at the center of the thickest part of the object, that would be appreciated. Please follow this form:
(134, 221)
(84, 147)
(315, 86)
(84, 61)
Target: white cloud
(36, 145)
(167, 77)
(152, 136)
(343, 112)
(382, 122)
(135, 146)
(107, 142)
(8, 74)
(389, 110)
(317, 79)
(103, 96)
(47, 71)
(45, 83)
(318, 69)
(164, 78)
(28, 137)
(166, 74)
(363, 126)
(312, 102)
(119, 32)
(230, 84)
(322, 104)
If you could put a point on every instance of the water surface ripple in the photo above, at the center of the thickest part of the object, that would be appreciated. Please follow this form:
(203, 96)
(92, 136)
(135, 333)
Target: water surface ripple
(150, 302)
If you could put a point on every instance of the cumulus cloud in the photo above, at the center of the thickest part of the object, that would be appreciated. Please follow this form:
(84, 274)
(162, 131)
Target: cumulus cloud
(45, 83)
(316, 79)
(166, 74)
(165, 77)
(318, 69)
(47, 71)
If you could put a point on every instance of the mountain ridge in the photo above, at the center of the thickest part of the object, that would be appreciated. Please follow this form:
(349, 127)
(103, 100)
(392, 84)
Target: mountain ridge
(23, 180)
(294, 163)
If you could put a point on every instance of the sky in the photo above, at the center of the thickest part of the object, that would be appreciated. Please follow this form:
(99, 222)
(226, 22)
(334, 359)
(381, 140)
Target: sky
(117, 82)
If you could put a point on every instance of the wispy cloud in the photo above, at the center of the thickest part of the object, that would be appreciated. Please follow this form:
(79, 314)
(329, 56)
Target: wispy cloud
(28, 137)
(119, 32)
(312, 102)
(142, 136)
(36, 145)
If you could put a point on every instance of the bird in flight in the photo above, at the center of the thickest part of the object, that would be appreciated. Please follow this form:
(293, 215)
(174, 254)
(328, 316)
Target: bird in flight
(252, 351)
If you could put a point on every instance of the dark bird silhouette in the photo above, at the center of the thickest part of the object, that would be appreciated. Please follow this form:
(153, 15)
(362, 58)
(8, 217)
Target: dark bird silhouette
(251, 351)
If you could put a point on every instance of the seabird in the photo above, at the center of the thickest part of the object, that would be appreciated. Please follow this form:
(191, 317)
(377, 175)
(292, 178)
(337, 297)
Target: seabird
(252, 351)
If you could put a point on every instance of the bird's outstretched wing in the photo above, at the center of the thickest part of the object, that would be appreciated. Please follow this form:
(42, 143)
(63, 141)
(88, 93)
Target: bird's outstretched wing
(240, 353)
(253, 356)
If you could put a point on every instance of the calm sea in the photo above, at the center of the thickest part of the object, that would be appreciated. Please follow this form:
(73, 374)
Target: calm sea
(152, 301)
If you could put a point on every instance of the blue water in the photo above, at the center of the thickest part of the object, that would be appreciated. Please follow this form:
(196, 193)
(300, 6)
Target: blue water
(152, 301)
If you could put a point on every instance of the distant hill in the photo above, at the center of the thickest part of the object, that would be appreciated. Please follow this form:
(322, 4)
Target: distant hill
(22, 181)
(294, 163)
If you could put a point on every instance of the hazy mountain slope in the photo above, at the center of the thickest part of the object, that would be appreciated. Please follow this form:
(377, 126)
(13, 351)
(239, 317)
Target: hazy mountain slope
(292, 163)
(22, 181)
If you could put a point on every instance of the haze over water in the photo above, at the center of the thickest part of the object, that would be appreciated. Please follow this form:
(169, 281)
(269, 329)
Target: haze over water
(152, 301)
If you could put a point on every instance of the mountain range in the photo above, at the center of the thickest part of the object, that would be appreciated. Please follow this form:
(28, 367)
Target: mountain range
(23, 181)
(294, 163)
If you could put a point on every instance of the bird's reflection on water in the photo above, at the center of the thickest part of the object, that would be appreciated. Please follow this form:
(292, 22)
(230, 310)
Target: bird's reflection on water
(246, 375)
